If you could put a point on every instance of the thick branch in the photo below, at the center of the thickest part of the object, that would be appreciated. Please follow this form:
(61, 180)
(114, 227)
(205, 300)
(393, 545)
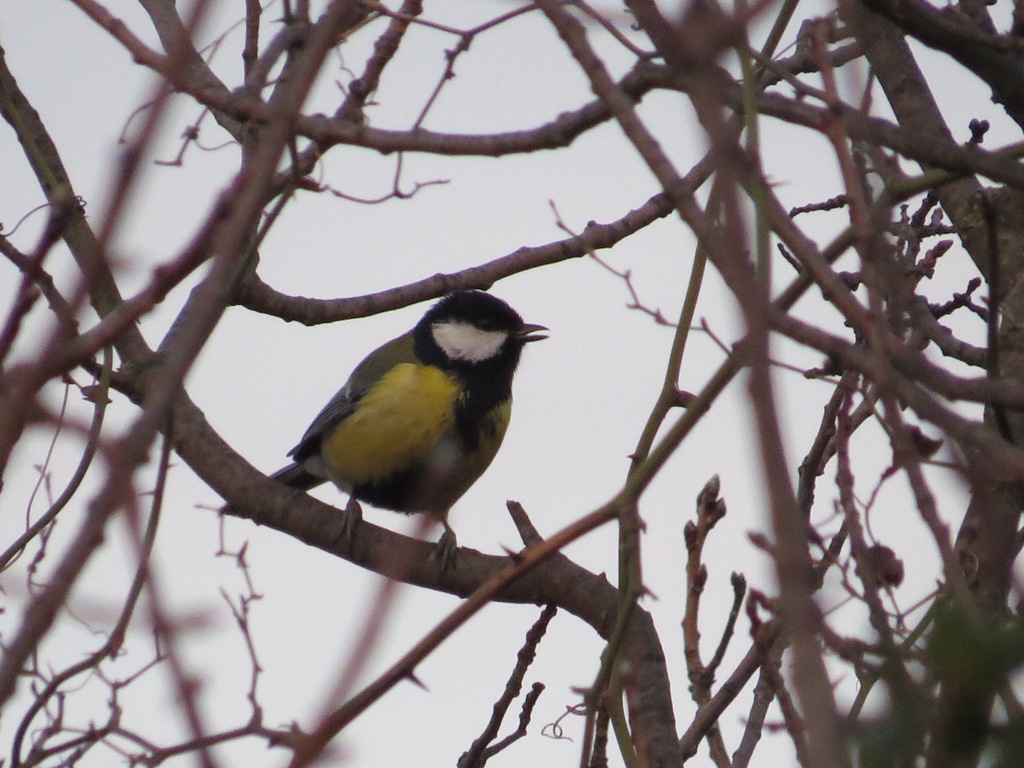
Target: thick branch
(260, 297)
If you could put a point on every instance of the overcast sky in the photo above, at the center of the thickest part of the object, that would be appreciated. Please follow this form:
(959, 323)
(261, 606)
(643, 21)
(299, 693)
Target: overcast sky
(581, 397)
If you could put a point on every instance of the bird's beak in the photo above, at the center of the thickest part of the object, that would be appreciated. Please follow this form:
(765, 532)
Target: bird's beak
(531, 332)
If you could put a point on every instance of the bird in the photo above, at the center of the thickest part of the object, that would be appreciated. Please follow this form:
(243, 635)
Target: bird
(421, 417)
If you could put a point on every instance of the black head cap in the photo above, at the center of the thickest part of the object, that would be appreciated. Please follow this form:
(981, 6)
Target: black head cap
(475, 308)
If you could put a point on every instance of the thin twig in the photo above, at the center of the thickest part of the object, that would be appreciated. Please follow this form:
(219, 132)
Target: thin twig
(482, 748)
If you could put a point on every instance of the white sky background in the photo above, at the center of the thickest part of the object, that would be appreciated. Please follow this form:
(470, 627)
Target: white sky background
(581, 397)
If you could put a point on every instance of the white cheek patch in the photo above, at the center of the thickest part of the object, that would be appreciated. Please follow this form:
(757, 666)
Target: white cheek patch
(462, 341)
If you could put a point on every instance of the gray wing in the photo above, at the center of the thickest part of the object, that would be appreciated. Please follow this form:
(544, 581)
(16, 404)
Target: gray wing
(336, 411)
(363, 378)
(301, 473)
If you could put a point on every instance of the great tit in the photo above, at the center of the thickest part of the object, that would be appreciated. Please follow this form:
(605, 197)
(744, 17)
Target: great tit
(421, 418)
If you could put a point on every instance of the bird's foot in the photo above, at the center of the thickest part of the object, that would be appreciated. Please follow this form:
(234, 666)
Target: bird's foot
(447, 545)
(351, 517)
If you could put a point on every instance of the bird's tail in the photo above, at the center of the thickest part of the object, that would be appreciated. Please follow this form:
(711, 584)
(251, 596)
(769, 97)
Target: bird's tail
(296, 476)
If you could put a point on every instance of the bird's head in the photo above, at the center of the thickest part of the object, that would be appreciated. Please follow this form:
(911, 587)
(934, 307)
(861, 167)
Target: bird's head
(471, 328)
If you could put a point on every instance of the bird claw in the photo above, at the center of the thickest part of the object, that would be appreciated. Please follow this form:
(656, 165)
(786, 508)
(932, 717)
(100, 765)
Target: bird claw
(351, 517)
(447, 545)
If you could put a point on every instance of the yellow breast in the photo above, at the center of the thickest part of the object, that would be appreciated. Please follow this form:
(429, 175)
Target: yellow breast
(394, 425)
